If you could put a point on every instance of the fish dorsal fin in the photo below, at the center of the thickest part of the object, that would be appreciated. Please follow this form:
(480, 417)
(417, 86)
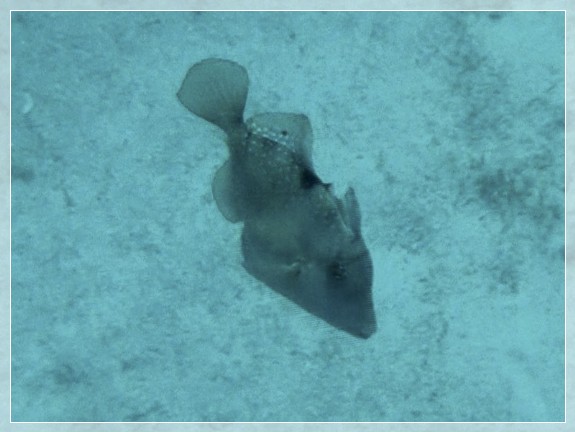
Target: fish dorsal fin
(288, 129)
(216, 90)
(349, 209)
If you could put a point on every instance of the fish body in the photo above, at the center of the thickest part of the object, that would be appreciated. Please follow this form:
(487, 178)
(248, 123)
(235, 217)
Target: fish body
(298, 237)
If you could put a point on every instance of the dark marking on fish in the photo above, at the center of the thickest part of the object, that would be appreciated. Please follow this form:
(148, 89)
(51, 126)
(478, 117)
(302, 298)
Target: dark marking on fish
(309, 179)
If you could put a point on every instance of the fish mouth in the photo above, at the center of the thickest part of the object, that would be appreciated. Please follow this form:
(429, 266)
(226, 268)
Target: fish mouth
(364, 331)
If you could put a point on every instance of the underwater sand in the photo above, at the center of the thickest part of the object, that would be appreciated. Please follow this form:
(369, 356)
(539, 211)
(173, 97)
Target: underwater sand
(129, 301)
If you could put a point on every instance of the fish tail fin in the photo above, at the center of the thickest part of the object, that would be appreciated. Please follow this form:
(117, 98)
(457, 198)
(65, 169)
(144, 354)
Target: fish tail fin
(216, 90)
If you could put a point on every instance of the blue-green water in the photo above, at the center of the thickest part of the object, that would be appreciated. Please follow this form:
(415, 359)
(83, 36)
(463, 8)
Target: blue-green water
(129, 301)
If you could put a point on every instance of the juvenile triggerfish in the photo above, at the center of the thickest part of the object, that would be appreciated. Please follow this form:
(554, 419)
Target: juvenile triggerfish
(298, 238)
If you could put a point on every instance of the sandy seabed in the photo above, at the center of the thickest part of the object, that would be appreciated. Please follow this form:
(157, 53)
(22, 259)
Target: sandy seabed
(129, 301)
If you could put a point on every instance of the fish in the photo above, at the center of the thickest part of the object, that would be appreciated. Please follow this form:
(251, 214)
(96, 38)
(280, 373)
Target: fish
(298, 238)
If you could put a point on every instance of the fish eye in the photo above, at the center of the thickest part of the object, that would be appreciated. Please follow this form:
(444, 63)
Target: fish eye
(284, 132)
(337, 270)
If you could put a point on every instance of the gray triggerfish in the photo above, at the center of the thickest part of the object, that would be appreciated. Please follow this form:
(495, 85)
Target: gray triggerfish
(298, 238)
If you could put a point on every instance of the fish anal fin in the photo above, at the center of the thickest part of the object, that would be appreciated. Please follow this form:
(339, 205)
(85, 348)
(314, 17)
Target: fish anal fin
(225, 194)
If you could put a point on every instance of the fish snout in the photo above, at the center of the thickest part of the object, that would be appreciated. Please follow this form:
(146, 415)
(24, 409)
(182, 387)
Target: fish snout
(364, 328)
(367, 330)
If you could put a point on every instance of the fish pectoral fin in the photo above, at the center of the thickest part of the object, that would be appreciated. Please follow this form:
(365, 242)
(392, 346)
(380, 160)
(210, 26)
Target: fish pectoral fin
(290, 270)
(264, 261)
(226, 193)
(294, 269)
